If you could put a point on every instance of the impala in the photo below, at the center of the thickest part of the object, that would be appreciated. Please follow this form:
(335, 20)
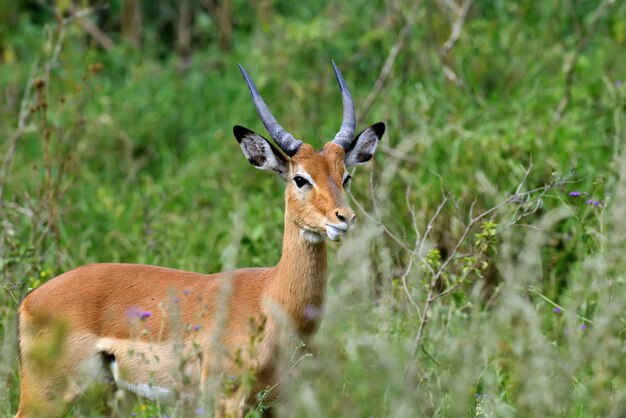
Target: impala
(157, 333)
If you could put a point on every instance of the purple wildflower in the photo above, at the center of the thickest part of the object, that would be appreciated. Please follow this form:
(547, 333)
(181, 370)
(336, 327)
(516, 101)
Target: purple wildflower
(145, 315)
(311, 312)
(133, 312)
(200, 411)
(574, 194)
(197, 327)
(618, 83)
(134, 414)
(583, 326)
(557, 310)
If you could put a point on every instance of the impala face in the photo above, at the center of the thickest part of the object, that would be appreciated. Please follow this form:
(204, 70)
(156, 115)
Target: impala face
(315, 193)
(315, 180)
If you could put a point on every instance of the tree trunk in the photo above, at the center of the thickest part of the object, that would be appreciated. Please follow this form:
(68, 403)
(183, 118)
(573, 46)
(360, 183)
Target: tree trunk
(131, 22)
(183, 31)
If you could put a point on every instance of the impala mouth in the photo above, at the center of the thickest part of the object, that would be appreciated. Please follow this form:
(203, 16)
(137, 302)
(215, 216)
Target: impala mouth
(335, 231)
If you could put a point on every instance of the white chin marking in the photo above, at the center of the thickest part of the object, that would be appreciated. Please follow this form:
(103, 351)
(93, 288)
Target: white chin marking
(333, 233)
(311, 237)
(144, 390)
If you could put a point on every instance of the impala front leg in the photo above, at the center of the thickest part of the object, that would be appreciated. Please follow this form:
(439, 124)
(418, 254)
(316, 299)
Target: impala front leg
(233, 406)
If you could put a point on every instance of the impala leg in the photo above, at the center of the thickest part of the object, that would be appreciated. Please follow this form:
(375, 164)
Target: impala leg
(233, 406)
(50, 393)
(42, 382)
(123, 403)
(55, 367)
(40, 397)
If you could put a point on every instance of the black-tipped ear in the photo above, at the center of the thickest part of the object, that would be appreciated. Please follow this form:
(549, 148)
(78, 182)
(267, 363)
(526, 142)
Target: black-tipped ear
(260, 152)
(364, 145)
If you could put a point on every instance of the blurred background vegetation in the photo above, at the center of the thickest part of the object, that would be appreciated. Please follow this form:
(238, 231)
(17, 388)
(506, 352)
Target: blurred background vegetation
(116, 145)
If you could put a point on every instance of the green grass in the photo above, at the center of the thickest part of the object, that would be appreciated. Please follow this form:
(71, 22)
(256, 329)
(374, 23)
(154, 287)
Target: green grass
(140, 165)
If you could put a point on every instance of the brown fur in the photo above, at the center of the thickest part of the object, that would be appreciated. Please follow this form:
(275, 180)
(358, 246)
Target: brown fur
(327, 169)
(85, 312)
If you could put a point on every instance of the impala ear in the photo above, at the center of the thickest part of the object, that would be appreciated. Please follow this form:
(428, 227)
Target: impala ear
(363, 145)
(260, 152)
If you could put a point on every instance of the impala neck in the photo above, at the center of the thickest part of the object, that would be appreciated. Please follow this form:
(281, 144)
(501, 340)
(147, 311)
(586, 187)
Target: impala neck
(299, 282)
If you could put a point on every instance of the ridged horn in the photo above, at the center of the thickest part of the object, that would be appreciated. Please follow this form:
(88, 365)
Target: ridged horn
(346, 132)
(283, 139)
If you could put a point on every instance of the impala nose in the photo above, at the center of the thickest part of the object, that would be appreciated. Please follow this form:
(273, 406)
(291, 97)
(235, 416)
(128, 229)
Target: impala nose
(345, 215)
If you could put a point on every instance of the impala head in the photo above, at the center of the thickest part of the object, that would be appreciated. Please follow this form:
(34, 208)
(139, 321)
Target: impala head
(315, 179)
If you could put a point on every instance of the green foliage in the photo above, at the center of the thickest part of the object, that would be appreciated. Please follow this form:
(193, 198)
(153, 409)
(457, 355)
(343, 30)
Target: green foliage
(128, 156)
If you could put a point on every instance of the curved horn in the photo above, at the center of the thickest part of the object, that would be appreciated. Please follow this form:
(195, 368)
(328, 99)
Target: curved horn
(346, 132)
(283, 139)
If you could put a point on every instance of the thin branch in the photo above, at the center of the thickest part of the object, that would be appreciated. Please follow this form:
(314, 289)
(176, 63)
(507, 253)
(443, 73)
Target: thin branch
(433, 295)
(521, 184)
(406, 287)
(556, 305)
(430, 357)
(380, 223)
(391, 59)
(79, 14)
(429, 227)
(392, 152)
(24, 115)
(455, 34)
(571, 64)
(96, 33)
(457, 26)
(407, 197)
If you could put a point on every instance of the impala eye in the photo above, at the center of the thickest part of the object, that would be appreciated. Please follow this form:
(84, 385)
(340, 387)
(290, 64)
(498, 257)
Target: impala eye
(301, 181)
(346, 181)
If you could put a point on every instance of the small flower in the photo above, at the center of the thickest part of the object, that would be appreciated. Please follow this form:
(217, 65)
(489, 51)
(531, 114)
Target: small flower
(134, 414)
(311, 312)
(583, 326)
(145, 315)
(200, 411)
(618, 83)
(557, 310)
(574, 194)
(197, 327)
(477, 395)
(133, 312)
